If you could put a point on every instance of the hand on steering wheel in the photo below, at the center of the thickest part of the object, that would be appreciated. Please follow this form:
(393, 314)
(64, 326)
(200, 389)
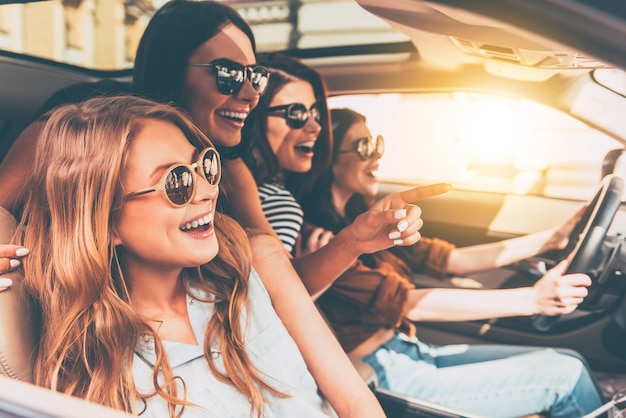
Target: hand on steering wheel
(589, 234)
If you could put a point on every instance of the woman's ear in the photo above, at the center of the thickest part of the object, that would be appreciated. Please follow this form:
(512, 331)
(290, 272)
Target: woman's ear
(115, 238)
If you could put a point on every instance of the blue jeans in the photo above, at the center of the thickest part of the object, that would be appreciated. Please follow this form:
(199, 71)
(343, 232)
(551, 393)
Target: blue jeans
(488, 380)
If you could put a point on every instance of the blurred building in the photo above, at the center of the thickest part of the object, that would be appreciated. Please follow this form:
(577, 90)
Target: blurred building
(103, 34)
(100, 34)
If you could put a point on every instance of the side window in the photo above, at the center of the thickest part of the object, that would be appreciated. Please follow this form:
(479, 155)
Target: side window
(483, 142)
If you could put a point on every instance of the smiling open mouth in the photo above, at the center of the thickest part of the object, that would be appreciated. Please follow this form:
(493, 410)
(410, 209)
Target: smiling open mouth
(306, 147)
(201, 224)
(234, 116)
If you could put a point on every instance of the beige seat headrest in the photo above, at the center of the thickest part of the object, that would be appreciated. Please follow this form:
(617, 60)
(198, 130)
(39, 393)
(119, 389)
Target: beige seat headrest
(17, 324)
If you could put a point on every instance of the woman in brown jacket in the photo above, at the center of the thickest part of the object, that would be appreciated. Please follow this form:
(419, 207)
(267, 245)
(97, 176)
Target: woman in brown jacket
(373, 306)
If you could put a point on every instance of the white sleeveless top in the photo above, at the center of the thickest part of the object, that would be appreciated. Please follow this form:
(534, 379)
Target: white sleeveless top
(270, 348)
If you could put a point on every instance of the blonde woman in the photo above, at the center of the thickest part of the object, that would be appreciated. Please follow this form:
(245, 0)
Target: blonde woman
(148, 296)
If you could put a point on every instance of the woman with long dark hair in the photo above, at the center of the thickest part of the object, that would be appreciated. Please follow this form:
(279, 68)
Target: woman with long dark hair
(200, 56)
(290, 141)
(373, 307)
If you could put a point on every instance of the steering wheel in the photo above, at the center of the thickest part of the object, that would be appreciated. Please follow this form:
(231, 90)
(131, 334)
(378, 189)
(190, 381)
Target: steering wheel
(589, 234)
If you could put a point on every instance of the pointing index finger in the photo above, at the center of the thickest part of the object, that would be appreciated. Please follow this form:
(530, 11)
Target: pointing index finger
(423, 192)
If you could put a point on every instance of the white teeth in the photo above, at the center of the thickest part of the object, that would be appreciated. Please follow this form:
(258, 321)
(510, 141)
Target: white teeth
(205, 220)
(305, 146)
(232, 115)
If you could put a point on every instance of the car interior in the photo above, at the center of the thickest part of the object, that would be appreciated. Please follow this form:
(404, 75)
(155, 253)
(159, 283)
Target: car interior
(561, 61)
(468, 49)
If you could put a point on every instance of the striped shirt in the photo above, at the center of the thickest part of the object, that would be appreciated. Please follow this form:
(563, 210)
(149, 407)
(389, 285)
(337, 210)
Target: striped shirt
(283, 213)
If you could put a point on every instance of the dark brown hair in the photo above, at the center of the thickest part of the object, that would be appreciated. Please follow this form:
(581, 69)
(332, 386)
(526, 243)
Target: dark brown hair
(259, 155)
(175, 31)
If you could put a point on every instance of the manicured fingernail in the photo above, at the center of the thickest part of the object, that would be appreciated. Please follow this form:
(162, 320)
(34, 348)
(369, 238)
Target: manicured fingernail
(398, 242)
(6, 282)
(403, 225)
(21, 252)
(400, 214)
(14, 263)
(394, 234)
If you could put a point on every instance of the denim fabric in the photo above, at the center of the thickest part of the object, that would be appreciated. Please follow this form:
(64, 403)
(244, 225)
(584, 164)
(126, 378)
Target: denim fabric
(270, 348)
(488, 380)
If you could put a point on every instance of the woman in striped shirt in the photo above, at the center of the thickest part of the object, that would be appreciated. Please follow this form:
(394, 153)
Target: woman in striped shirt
(290, 141)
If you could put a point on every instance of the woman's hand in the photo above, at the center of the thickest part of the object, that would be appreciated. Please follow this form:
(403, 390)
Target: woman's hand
(393, 220)
(561, 234)
(314, 239)
(557, 293)
(9, 260)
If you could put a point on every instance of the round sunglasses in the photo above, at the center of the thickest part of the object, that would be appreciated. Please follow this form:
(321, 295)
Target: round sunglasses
(367, 148)
(178, 182)
(296, 114)
(231, 75)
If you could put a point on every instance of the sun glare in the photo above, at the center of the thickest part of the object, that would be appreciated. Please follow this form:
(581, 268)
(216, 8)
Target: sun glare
(481, 142)
(487, 128)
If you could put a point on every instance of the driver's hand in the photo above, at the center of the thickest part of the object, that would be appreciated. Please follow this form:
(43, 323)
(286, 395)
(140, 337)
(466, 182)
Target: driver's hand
(557, 293)
(559, 238)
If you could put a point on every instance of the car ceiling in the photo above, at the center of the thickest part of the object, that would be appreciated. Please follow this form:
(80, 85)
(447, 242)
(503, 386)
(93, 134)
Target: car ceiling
(458, 48)
(453, 33)
(479, 47)
(578, 28)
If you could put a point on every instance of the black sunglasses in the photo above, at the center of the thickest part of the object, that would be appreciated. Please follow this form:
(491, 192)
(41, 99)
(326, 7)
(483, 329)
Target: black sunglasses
(296, 114)
(230, 76)
(367, 148)
(178, 182)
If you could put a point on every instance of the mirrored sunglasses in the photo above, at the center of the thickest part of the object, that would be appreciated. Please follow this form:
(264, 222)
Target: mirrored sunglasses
(230, 76)
(296, 114)
(367, 148)
(178, 183)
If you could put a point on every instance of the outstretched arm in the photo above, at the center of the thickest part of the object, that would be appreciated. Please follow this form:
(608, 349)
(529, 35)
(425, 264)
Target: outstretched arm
(554, 294)
(329, 365)
(393, 220)
(475, 258)
(13, 171)
(16, 164)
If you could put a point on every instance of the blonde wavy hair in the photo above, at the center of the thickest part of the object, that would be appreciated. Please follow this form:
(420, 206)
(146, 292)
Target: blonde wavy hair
(89, 330)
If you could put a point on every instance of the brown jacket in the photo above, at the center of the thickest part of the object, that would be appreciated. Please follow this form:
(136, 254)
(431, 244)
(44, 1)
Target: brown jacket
(371, 294)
